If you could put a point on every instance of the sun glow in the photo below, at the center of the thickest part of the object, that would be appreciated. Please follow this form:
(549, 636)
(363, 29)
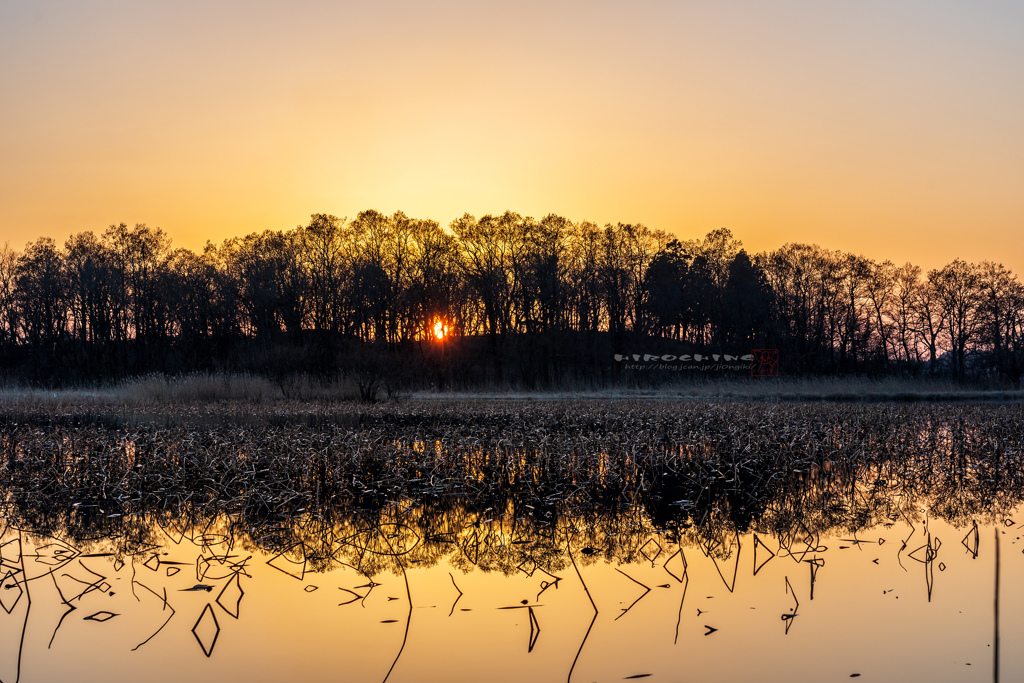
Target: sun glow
(440, 330)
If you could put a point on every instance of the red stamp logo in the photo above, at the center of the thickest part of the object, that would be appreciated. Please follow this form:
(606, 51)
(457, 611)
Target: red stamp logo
(765, 363)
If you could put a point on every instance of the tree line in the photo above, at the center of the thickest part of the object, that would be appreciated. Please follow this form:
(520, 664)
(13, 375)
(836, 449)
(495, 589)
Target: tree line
(524, 301)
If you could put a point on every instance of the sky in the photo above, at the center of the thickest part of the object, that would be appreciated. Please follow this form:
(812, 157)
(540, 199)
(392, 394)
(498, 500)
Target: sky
(889, 128)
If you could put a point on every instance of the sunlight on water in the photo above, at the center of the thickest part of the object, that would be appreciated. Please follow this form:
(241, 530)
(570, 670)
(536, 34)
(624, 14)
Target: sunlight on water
(899, 601)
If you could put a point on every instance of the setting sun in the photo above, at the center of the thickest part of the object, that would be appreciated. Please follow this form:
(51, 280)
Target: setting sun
(440, 330)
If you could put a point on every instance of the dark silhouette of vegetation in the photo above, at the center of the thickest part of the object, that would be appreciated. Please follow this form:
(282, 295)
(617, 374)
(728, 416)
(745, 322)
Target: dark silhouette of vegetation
(523, 302)
(703, 470)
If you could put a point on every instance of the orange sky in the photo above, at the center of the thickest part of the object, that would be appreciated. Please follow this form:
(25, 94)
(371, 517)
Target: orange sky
(891, 129)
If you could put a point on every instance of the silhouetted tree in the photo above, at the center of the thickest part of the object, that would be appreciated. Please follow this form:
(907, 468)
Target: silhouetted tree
(41, 293)
(958, 292)
(748, 305)
(526, 301)
(664, 285)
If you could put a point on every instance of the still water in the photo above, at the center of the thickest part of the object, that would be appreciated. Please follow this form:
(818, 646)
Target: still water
(399, 599)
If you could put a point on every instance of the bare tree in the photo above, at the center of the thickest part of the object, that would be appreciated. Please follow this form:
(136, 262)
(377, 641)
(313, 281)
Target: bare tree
(957, 289)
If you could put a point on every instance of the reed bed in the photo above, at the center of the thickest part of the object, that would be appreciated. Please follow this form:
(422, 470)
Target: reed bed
(698, 469)
(160, 390)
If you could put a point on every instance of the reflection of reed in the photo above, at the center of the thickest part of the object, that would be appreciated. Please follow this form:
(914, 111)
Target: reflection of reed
(393, 539)
(995, 641)
(408, 595)
(592, 604)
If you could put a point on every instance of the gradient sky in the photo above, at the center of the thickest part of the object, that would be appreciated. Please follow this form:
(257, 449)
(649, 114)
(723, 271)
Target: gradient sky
(889, 128)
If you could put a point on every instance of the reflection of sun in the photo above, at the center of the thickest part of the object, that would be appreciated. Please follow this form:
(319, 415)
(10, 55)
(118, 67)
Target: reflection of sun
(440, 330)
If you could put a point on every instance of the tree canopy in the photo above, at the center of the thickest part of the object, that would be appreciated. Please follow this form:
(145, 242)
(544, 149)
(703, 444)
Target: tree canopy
(524, 301)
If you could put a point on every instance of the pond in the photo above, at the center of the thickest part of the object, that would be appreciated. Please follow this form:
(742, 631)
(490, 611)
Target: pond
(693, 561)
(913, 599)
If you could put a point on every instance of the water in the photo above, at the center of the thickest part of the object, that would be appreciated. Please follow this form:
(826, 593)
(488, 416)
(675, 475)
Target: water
(574, 542)
(402, 599)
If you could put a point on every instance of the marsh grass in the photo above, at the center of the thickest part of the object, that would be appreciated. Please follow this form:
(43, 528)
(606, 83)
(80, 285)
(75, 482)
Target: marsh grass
(499, 483)
(191, 392)
(444, 472)
(193, 389)
(283, 456)
(837, 389)
(162, 389)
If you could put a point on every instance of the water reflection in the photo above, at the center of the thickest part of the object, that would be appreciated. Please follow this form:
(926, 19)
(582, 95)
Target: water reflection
(398, 590)
(772, 551)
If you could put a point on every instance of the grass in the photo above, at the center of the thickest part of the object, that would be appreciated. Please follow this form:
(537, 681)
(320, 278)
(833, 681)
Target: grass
(697, 470)
(840, 389)
(163, 390)
(278, 456)
(196, 389)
